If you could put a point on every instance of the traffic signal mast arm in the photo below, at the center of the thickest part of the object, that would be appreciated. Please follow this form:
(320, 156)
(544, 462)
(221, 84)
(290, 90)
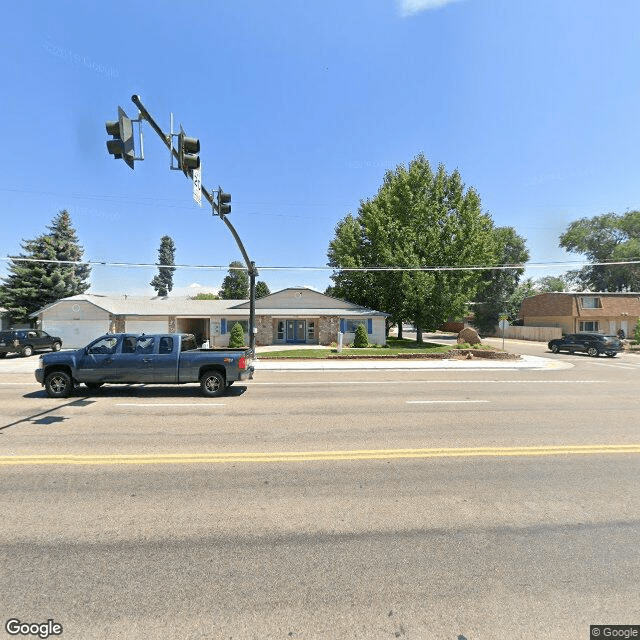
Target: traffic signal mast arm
(221, 208)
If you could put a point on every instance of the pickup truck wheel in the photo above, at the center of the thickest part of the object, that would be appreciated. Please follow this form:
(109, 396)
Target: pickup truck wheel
(56, 346)
(212, 384)
(593, 352)
(27, 351)
(58, 384)
(555, 348)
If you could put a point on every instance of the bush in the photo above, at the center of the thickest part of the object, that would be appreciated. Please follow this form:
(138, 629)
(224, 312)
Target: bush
(237, 336)
(636, 333)
(361, 341)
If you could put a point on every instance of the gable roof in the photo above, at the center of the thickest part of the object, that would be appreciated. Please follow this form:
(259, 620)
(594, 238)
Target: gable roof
(301, 299)
(151, 306)
(293, 301)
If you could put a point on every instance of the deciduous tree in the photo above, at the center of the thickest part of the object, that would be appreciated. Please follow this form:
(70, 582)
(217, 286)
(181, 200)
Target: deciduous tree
(235, 285)
(419, 220)
(605, 238)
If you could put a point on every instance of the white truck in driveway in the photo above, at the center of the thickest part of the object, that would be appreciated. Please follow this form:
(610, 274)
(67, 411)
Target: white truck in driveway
(124, 358)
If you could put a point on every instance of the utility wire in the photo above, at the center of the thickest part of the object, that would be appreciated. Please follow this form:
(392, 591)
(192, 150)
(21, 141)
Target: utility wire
(503, 267)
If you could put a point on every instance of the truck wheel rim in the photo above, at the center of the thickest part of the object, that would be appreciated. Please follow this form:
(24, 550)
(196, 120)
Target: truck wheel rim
(213, 383)
(58, 384)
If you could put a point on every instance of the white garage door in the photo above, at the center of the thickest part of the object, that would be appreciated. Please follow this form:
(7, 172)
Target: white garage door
(147, 326)
(77, 333)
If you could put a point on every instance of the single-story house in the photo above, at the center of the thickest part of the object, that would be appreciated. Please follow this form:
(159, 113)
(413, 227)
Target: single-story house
(574, 312)
(290, 316)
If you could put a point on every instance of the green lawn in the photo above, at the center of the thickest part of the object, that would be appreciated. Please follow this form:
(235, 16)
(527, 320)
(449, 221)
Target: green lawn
(394, 347)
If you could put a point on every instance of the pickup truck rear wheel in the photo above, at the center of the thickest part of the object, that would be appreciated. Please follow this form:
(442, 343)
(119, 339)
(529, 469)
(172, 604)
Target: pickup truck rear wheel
(58, 384)
(212, 384)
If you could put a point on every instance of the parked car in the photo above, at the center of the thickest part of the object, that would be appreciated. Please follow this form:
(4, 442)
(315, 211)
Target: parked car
(27, 341)
(591, 343)
(121, 358)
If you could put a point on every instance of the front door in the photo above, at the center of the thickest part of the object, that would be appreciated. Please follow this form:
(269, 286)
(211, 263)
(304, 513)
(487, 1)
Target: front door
(296, 330)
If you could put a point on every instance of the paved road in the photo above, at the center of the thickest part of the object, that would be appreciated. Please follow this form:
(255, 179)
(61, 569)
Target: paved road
(384, 504)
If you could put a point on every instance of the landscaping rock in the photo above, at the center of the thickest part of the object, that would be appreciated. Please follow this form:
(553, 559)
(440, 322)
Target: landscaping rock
(470, 336)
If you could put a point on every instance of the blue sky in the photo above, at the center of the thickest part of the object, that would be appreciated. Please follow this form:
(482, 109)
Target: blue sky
(301, 108)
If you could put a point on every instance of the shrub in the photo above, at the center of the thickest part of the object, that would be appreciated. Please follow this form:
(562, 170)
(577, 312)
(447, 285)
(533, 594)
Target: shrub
(361, 341)
(237, 336)
(636, 333)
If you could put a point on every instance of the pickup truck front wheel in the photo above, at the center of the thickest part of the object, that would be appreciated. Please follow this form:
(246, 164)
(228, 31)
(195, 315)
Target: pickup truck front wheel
(212, 384)
(58, 384)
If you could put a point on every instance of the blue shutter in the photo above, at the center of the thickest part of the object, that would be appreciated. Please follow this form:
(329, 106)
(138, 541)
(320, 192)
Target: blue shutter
(369, 326)
(342, 325)
(223, 326)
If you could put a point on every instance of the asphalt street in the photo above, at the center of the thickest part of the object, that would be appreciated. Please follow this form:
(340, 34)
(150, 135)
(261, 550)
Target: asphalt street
(468, 503)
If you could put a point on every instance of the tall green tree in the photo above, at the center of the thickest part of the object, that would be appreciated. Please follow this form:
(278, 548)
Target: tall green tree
(419, 220)
(163, 282)
(46, 270)
(499, 284)
(605, 238)
(235, 285)
(550, 284)
(262, 289)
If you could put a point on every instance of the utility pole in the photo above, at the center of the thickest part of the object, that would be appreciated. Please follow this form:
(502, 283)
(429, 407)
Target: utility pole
(121, 146)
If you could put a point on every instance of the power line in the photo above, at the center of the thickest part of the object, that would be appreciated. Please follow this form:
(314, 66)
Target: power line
(134, 265)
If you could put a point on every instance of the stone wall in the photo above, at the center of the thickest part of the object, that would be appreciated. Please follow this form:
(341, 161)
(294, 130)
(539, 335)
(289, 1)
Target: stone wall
(266, 330)
(328, 328)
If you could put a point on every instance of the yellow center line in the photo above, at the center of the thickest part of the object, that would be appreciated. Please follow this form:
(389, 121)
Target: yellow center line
(309, 456)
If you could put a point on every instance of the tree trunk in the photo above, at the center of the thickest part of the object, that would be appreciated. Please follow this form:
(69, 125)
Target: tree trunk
(418, 335)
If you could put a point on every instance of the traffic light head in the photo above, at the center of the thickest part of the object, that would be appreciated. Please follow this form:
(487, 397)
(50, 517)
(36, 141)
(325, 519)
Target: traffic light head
(188, 150)
(121, 143)
(223, 203)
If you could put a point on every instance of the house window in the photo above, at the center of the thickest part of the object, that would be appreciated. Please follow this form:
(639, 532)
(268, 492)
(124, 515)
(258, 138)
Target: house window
(280, 329)
(311, 330)
(589, 326)
(229, 322)
(591, 302)
(350, 325)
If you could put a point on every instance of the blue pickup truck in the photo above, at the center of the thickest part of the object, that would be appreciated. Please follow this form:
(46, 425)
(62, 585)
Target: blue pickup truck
(122, 358)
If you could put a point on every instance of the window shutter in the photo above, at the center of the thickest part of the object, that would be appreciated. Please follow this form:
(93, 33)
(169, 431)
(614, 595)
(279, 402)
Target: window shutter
(369, 326)
(223, 326)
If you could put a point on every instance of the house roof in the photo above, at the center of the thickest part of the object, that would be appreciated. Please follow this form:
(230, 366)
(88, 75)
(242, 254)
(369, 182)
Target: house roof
(153, 306)
(288, 302)
(568, 304)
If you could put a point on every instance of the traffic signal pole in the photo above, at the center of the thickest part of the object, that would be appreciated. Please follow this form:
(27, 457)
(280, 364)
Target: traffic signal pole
(251, 266)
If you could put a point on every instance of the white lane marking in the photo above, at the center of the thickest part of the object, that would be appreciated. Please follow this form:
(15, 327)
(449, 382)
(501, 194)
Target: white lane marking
(445, 401)
(170, 404)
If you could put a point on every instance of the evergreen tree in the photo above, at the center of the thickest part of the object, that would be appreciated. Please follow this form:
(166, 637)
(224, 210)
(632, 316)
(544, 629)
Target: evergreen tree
(235, 285)
(236, 339)
(163, 282)
(45, 271)
(262, 289)
(361, 340)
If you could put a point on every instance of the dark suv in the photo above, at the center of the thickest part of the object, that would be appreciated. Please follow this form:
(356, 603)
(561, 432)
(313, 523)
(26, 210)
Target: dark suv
(591, 343)
(26, 341)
